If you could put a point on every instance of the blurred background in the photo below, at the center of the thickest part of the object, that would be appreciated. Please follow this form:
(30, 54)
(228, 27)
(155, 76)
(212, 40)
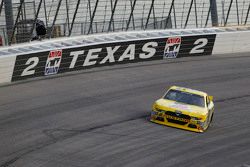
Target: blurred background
(24, 20)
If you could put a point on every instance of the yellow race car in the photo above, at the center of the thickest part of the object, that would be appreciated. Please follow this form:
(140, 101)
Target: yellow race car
(184, 108)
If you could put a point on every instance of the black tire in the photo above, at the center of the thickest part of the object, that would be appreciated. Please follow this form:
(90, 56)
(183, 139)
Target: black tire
(210, 121)
(211, 118)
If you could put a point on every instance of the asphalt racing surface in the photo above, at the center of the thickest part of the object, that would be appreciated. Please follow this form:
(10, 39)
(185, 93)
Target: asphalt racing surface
(98, 117)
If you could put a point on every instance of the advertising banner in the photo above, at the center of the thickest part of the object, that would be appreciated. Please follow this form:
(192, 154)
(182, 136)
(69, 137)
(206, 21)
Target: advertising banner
(79, 58)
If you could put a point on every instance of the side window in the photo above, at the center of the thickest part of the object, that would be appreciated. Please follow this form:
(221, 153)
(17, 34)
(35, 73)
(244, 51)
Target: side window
(208, 101)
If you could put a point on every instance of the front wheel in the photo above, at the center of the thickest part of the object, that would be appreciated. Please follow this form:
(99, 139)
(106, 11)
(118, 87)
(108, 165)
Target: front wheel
(211, 119)
(208, 122)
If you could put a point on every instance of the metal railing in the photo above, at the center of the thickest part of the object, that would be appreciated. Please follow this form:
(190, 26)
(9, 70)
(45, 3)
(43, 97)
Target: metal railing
(82, 17)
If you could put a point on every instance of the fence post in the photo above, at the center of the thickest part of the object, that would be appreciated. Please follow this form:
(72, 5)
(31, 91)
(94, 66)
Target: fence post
(237, 10)
(208, 13)
(67, 19)
(242, 12)
(175, 24)
(123, 18)
(214, 13)
(163, 12)
(9, 17)
(111, 7)
(190, 8)
(169, 13)
(228, 12)
(34, 23)
(247, 14)
(92, 17)
(45, 13)
(112, 16)
(142, 21)
(74, 17)
(133, 19)
(195, 11)
(155, 19)
(150, 10)
(131, 15)
(17, 18)
(54, 21)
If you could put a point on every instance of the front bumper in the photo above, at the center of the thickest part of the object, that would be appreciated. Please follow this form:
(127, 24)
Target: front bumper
(182, 123)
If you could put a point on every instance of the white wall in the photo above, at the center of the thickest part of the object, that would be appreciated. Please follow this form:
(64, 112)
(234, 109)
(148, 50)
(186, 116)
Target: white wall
(225, 43)
(232, 42)
(6, 68)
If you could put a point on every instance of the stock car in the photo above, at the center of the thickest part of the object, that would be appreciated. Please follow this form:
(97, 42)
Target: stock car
(184, 108)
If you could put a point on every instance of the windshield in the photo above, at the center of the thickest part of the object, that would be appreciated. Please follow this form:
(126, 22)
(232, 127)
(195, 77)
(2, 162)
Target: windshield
(184, 97)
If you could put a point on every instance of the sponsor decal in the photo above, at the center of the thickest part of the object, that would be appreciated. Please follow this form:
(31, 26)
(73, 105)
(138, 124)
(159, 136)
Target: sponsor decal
(176, 118)
(172, 47)
(53, 62)
(99, 56)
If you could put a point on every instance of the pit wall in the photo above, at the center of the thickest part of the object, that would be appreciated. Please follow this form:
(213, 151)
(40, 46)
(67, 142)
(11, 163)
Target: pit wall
(41, 59)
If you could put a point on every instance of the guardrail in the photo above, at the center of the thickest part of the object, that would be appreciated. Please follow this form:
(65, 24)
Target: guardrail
(44, 58)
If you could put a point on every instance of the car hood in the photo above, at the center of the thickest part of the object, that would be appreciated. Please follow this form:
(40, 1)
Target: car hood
(191, 110)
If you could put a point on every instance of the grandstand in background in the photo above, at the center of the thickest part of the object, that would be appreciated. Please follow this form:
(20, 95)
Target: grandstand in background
(83, 17)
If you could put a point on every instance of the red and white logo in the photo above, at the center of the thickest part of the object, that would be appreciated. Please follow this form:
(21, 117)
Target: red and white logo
(172, 47)
(53, 62)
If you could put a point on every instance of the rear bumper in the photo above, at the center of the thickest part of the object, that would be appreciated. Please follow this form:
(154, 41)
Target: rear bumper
(191, 126)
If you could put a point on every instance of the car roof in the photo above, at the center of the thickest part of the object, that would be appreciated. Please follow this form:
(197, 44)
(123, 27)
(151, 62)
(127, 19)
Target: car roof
(188, 90)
